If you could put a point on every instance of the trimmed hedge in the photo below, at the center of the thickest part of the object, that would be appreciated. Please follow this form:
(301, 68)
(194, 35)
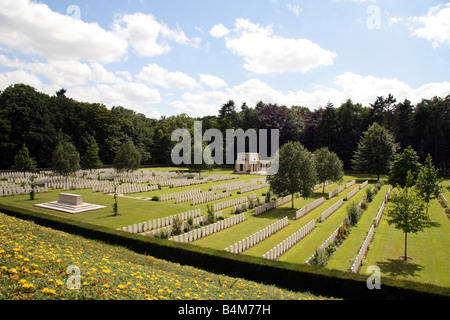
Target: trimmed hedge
(320, 281)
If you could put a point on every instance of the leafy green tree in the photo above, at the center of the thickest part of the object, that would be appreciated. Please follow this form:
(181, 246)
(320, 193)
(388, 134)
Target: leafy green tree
(328, 166)
(127, 157)
(65, 158)
(375, 152)
(23, 162)
(91, 159)
(427, 183)
(407, 161)
(406, 211)
(296, 172)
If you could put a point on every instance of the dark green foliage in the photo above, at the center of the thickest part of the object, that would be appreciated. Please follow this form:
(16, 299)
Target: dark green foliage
(41, 121)
(296, 172)
(23, 162)
(407, 161)
(128, 158)
(375, 152)
(65, 158)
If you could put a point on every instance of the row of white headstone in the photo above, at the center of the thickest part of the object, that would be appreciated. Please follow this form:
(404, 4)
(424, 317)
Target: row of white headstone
(271, 205)
(327, 242)
(364, 247)
(178, 195)
(232, 202)
(160, 222)
(209, 229)
(444, 200)
(254, 187)
(349, 184)
(257, 237)
(184, 224)
(203, 198)
(246, 205)
(13, 190)
(308, 208)
(289, 242)
(362, 251)
(231, 186)
(331, 210)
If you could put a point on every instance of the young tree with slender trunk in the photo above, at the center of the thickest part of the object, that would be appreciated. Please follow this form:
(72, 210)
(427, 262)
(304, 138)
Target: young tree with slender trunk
(427, 183)
(23, 162)
(406, 211)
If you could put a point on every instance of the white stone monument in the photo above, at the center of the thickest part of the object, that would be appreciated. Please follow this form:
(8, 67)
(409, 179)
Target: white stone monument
(70, 203)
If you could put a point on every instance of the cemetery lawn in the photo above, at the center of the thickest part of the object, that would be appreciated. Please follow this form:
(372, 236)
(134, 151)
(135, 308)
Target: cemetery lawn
(34, 261)
(428, 250)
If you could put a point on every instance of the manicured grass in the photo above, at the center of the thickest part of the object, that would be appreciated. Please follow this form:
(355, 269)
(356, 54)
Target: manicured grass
(342, 258)
(428, 250)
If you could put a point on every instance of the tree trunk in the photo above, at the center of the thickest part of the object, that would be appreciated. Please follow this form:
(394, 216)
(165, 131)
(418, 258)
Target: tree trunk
(293, 200)
(406, 246)
(323, 190)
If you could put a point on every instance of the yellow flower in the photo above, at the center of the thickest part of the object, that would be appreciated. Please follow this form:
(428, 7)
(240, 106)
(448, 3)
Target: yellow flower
(187, 294)
(59, 282)
(47, 290)
(28, 286)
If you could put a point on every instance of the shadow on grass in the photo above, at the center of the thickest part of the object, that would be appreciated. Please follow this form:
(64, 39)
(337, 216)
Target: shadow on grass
(399, 268)
(278, 213)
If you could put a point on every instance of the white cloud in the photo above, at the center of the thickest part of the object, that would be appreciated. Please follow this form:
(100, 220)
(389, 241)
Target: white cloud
(157, 75)
(264, 52)
(19, 76)
(212, 81)
(294, 8)
(147, 36)
(359, 88)
(435, 25)
(219, 31)
(33, 28)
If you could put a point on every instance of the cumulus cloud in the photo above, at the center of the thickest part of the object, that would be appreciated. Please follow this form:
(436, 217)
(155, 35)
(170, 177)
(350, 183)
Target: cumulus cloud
(348, 85)
(33, 28)
(264, 52)
(435, 26)
(212, 81)
(219, 31)
(147, 36)
(157, 75)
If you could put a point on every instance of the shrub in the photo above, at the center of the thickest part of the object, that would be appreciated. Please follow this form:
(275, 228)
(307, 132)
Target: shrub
(343, 232)
(319, 259)
(176, 226)
(363, 205)
(155, 198)
(369, 194)
(353, 214)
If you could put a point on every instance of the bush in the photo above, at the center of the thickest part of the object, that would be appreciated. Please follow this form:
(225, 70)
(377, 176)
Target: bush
(369, 194)
(364, 205)
(155, 198)
(343, 233)
(319, 259)
(353, 214)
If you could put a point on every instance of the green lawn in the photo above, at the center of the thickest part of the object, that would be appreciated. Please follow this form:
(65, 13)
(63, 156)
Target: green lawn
(428, 250)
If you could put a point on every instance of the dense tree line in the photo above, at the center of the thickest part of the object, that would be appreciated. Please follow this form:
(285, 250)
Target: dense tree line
(41, 122)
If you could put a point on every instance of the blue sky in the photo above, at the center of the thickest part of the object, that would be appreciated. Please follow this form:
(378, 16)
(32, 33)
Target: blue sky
(191, 56)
